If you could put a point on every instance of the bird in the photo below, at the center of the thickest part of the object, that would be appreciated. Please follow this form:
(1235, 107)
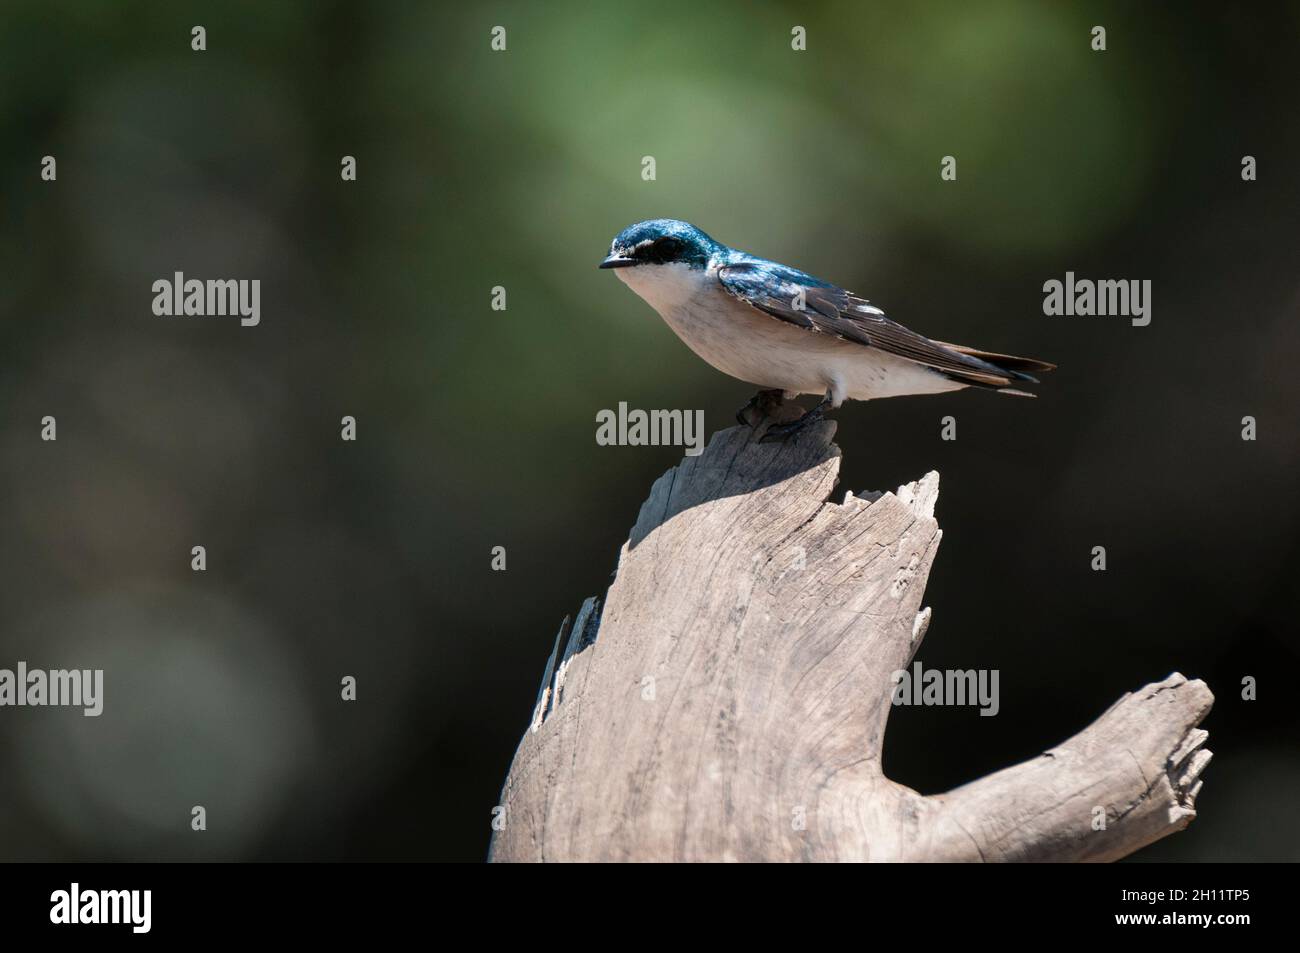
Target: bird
(789, 333)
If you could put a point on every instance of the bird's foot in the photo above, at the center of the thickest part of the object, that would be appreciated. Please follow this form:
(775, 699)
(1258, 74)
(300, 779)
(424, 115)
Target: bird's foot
(761, 406)
(788, 430)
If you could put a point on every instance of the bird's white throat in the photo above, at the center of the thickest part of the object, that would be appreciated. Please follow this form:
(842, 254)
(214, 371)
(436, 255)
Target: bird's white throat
(667, 287)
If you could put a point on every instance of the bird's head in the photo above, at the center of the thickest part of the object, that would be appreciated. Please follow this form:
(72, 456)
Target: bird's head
(661, 241)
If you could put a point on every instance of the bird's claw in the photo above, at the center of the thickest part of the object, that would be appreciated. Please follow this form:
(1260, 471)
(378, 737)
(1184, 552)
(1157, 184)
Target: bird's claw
(763, 404)
(787, 430)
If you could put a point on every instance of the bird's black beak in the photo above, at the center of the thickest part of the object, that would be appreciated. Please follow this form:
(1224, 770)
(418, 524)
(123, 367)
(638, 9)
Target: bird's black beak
(617, 261)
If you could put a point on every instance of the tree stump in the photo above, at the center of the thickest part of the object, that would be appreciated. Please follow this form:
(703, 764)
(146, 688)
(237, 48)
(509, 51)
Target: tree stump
(728, 699)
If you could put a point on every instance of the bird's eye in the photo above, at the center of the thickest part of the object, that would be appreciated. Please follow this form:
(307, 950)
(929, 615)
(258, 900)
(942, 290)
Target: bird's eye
(665, 249)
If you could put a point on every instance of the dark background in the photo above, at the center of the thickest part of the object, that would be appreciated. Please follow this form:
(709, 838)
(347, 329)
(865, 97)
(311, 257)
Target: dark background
(476, 428)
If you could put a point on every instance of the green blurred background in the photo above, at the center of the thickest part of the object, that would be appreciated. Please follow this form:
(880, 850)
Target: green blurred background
(476, 427)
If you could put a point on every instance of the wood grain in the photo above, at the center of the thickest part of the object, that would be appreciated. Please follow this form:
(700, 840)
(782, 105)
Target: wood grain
(727, 700)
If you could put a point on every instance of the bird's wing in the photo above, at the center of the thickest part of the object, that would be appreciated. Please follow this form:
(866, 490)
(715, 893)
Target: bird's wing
(818, 307)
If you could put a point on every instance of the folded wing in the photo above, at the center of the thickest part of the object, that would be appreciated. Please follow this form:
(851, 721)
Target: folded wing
(818, 307)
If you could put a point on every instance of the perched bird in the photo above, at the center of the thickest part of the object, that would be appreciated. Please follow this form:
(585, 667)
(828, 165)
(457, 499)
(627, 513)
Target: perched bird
(789, 333)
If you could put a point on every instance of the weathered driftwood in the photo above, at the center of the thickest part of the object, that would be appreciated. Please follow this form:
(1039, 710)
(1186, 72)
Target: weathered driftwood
(726, 704)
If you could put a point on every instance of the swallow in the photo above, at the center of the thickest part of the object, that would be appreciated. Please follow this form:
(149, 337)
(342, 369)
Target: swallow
(789, 333)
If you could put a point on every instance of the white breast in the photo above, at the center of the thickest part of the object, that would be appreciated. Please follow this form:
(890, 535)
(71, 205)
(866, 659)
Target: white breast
(764, 351)
(668, 287)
